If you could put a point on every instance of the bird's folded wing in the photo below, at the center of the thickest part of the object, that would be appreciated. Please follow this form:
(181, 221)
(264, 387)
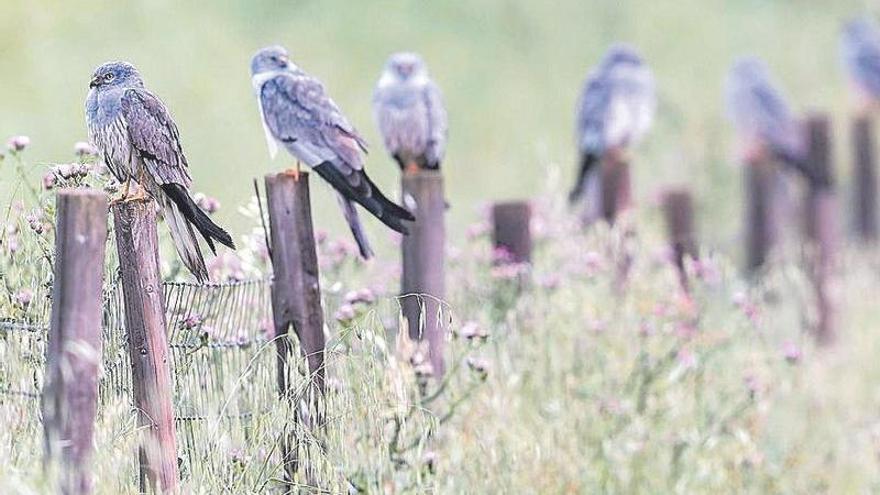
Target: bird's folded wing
(437, 124)
(592, 114)
(299, 113)
(155, 138)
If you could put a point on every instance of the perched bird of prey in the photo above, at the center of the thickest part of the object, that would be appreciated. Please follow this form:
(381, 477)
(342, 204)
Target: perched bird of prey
(410, 112)
(860, 52)
(138, 141)
(762, 118)
(615, 110)
(298, 115)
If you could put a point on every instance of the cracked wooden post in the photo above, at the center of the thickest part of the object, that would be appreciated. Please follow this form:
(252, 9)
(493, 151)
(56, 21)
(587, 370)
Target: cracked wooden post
(145, 325)
(678, 210)
(423, 278)
(296, 301)
(864, 208)
(760, 235)
(511, 230)
(821, 227)
(70, 394)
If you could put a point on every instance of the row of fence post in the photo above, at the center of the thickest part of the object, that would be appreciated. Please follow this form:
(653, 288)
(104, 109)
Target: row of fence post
(74, 351)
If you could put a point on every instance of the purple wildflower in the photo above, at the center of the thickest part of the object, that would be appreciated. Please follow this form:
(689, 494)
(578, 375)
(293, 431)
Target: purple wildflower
(18, 143)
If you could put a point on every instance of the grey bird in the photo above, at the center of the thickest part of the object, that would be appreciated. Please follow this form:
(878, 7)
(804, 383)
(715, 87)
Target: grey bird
(860, 53)
(410, 113)
(298, 115)
(762, 118)
(139, 142)
(614, 112)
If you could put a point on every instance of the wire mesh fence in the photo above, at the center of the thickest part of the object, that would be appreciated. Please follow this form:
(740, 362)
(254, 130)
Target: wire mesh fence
(222, 360)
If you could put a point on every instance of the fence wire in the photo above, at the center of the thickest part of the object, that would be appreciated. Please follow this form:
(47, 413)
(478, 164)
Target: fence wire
(222, 360)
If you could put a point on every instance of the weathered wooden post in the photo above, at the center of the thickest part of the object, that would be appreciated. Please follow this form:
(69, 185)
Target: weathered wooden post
(616, 187)
(864, 180)
(678, 209)
(760, 235)
(138, 247)
(423, 279)
(296, 296)
(821, 226)
(70, 394)
(511, 230)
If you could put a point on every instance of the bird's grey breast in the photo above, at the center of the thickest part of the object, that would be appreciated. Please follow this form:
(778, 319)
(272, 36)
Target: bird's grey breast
(108, 131)
(403, 119)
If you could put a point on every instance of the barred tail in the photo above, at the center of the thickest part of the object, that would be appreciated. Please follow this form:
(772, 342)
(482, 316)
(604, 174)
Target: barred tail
(185, 240)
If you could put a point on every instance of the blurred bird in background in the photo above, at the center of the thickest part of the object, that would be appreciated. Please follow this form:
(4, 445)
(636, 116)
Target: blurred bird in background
(860, 53)
(763, 120)
(615, 110)
(410, 113)
(298, 115)
(139, 142)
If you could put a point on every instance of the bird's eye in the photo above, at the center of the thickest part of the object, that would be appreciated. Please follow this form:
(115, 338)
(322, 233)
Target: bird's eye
(109, 76)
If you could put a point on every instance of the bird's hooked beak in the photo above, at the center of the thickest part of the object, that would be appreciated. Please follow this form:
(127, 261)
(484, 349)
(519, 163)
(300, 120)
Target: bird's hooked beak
(406, 69)
(94, 82)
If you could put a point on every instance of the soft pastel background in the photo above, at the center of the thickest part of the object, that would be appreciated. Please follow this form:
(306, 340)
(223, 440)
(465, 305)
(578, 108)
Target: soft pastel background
(579, 382)
(510, 70)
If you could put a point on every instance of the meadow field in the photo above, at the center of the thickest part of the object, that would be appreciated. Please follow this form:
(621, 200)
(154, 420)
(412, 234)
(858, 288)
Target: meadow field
(564, 377)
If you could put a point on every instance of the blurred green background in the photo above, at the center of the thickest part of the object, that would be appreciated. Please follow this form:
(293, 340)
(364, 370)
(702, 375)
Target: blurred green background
(510, 70)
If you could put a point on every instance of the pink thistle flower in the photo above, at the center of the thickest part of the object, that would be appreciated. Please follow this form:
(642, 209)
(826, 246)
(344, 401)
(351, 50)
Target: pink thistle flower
(686, 358)
(191, 321)
(18, 143)
(791, 352)
(49, 181)
(592, 261)
(84, 149)
(206, 203)
(472, 330)
(23, 298)
(753, 385)
(362, 296)
(479, 366)
(345, 313)
(501, 254)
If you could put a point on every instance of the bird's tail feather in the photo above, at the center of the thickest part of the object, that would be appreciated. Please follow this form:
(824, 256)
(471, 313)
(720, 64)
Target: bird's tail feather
(388, 212)
(198, 218)
(185, 240)
(588, 161)
(357, 228)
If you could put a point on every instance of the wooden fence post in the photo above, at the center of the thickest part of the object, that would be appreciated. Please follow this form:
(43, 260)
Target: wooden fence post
(616, 187)
(423, 279)
(145, 324)
(760, 235)
(296, 295)
(70, 394)
(821, 226)
(511, 230)
(864, 180)
(678, 209)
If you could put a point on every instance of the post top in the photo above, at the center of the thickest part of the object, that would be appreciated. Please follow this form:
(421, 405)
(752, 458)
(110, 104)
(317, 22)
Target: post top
(87, 192)
(304, 175)
(513, 203)
(422, 175)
